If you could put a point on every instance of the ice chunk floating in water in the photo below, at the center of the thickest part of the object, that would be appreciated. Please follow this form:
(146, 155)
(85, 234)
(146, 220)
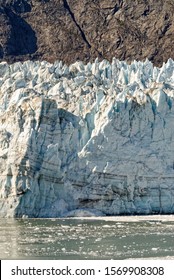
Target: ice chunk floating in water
(86, 140)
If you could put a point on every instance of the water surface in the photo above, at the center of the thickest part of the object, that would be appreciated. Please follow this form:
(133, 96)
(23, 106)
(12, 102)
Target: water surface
(101, 238)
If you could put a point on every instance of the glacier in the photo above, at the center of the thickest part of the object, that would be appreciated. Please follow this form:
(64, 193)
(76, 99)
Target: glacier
(86, 140)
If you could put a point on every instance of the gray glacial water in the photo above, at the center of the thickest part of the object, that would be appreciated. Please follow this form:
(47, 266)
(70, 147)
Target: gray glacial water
(100, 238)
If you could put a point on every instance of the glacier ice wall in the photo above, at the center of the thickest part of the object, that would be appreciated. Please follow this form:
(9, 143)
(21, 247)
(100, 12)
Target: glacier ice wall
(80, 140)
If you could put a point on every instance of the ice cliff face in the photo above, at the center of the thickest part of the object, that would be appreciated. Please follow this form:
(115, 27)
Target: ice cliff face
(95, 139)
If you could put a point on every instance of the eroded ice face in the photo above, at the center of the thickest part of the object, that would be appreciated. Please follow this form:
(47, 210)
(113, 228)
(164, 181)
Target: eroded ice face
(83, 140)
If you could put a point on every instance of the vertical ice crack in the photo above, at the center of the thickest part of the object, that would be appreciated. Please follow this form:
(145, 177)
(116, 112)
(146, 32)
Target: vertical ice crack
(67, 7)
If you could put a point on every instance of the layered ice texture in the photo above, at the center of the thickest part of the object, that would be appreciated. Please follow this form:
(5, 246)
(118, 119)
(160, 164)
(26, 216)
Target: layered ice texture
(84, 140)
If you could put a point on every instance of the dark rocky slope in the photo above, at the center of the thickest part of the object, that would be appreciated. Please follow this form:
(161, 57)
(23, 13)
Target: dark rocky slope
(71, 30)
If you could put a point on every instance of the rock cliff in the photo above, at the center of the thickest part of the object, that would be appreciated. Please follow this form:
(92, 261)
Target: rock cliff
(71, 30)
(86, 139)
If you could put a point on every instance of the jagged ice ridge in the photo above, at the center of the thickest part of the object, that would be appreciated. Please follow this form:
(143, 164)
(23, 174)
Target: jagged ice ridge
(84, 140)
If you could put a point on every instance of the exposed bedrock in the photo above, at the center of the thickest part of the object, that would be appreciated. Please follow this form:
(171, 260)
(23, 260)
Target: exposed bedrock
(94, 139)
(71, 30)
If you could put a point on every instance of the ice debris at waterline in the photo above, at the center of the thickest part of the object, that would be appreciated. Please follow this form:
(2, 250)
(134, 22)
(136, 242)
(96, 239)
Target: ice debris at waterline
(85, 140)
